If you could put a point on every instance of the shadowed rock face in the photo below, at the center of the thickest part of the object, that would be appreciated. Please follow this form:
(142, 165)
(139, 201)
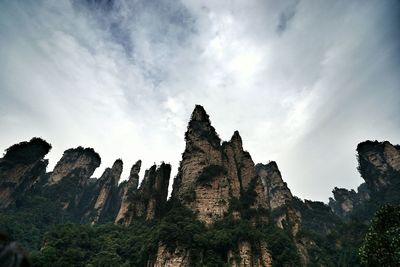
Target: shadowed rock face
(21, 167)
(105, 195)
(379, 164)
(345, 201)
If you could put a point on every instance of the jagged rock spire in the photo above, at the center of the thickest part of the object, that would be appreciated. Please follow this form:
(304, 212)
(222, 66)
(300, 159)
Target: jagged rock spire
(126, 189)
(107, 188)
(149, 200)
(134, 174)
(278, 194)
(200, 128)
(80, 162)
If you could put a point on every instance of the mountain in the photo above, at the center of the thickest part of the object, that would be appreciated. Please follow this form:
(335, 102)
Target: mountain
(224, 209)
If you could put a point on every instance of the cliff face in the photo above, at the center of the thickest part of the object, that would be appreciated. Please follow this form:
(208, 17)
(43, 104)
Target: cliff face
(20, 168)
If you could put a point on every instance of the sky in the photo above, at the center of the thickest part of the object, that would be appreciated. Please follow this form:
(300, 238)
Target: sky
(303, 81)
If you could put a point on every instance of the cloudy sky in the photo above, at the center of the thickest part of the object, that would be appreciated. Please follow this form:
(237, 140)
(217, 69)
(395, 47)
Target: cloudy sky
(303, 81)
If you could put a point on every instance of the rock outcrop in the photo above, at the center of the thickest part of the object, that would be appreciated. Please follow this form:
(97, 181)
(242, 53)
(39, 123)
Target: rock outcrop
(77, 164)
(277, 193)
(105, 197)
(379, 164)
(127, 187)
(149, 200)
(211, 174)
(22, 166)
(67, 182)
(345, 201)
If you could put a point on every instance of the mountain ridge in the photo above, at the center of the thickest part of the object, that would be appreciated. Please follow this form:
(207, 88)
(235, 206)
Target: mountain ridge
(217, 183)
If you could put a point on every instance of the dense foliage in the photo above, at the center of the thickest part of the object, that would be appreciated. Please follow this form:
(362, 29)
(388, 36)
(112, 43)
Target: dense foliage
(27, 152)
(381, 246)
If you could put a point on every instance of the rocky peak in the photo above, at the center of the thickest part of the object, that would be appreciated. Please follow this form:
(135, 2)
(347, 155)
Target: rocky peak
(127, 187)
(379, 164)
(277, 192)
(344, 201)
(211, 174)
(116, 171)
(21, 167)
(200, 128)
(236, 140)
(76, 162)
(106, 193)
(133, 179)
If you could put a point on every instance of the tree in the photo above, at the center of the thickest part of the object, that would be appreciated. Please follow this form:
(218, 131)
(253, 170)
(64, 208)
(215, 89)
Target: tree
(381, 246)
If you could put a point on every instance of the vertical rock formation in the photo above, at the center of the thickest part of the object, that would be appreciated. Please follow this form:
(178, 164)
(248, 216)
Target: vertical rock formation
(76, 163)
(281, 204)
(106, 194)
(126, 187)
(276, 190)
(379, 165)
(149, 200)
(22, 165)
(211, 174)
(69, 178)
